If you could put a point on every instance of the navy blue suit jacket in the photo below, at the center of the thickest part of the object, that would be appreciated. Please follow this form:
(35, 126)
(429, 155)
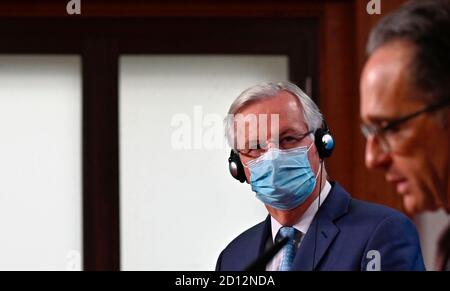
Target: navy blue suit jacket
(347, 230)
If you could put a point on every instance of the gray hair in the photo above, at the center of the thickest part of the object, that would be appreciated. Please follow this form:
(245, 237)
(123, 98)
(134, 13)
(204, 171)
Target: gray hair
(426, 25)
(311, 113)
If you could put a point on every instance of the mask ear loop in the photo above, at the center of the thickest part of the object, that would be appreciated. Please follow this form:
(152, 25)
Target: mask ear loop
(310, 146)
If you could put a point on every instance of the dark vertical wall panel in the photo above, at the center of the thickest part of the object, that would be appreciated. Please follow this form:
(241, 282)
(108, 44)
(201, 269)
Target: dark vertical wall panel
(100, 156)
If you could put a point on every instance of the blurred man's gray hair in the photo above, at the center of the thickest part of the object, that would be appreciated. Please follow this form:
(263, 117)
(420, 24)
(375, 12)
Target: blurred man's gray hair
(311, 113)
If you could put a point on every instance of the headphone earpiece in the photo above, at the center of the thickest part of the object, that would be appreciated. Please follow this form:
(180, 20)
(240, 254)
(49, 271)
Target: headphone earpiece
(324, 141)
(236, 167)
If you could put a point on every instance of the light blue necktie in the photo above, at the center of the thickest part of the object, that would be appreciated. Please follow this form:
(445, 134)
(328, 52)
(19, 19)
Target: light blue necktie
(289, 249)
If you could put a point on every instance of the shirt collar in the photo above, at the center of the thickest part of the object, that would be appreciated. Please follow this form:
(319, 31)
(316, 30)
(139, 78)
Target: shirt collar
(305, 220)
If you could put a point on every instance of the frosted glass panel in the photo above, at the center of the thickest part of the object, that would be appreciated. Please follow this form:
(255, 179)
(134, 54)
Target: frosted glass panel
(179, 205)
(40, 162)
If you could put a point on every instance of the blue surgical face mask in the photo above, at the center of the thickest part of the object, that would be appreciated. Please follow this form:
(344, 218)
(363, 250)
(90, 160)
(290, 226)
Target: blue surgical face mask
(282, 179)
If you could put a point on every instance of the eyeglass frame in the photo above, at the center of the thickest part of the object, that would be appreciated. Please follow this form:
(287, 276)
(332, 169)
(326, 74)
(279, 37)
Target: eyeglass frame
(301, 136)
(375, 131)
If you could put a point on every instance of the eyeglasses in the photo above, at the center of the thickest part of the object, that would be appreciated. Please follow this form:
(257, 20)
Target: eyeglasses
(286, 142)
(382, 132)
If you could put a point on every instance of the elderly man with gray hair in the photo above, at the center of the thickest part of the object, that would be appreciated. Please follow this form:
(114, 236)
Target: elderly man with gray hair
(279, 142)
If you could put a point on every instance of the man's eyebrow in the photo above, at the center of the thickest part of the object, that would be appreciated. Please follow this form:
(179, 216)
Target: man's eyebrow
(378, 119)
(290, 131)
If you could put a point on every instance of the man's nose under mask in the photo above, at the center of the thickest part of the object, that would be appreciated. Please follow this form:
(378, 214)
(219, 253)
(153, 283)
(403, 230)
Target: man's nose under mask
(283, 179)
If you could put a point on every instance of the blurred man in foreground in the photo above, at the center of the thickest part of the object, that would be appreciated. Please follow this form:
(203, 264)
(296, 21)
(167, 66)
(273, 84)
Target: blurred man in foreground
(405, 101)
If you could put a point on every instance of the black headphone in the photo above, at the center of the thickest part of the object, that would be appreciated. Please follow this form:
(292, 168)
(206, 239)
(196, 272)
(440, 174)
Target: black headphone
(323, 140)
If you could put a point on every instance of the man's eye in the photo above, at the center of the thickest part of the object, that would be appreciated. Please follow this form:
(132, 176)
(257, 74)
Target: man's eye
(390, 128)
(289, 139)
(250, 152)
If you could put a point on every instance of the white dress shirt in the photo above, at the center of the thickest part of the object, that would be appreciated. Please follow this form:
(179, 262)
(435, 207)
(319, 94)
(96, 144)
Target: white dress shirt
(301, 225)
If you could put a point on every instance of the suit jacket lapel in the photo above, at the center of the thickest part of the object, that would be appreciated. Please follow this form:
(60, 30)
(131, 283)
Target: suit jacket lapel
(258, 244)
(305, 258)
(323, 225)
(265, 241)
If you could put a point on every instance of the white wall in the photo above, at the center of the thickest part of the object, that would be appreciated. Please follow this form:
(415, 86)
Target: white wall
(181, 207)
(40, 162)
